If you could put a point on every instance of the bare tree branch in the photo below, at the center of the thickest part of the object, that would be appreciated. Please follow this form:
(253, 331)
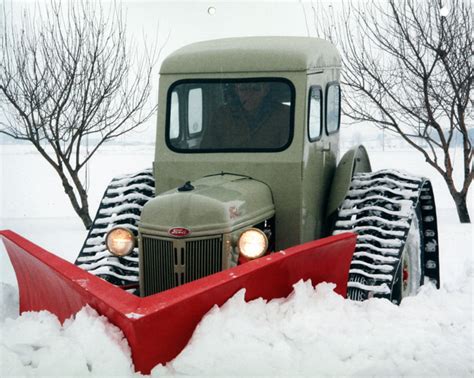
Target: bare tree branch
(407, 67)
(68, 79)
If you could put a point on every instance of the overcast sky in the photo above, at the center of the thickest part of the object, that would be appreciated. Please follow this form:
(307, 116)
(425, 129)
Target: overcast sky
(183, 22)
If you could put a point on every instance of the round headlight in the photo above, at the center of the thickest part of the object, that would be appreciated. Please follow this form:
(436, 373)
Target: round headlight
(120, 241)
(252, 243)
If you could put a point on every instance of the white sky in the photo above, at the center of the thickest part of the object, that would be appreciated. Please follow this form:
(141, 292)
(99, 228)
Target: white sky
(186, 22)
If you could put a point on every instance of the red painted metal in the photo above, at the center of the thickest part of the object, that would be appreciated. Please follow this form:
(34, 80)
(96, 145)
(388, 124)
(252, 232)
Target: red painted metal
(158, 327)
(179, 232)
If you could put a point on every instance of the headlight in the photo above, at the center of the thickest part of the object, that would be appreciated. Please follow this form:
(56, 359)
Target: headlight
(120, 241)
(253, 243)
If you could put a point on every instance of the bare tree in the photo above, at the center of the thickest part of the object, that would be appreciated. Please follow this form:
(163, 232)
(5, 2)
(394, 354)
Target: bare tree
(69, 83)
(407, 67)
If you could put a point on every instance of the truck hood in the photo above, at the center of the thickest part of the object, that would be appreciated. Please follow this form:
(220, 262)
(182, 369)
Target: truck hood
(217, 204)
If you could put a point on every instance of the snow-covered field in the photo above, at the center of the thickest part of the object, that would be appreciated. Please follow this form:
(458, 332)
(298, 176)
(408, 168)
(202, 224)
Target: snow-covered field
(313, 332)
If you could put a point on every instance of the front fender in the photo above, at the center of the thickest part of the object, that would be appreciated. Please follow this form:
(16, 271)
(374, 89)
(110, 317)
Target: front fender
(355, 160)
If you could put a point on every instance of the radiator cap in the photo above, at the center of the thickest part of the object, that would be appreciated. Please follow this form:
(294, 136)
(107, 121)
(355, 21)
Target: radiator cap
(187, 187)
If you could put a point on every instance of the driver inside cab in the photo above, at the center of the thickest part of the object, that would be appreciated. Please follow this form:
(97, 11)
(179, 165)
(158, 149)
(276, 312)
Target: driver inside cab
(253, 119)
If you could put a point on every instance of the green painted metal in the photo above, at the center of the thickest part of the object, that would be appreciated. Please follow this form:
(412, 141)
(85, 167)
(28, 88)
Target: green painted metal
(354, 161)
(217, 204)
(253, 54)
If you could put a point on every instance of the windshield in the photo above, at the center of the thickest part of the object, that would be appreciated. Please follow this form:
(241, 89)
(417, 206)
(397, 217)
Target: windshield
(230, 115)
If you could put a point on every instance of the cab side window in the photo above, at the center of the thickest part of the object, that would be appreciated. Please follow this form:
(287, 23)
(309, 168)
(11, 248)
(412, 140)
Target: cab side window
(185, 116)
(315, 113)
(333, 107)
(174, 116)
(195, 111)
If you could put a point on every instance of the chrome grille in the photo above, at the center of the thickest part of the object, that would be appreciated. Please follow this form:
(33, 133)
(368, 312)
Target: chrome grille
(166, 263)
(202, 258)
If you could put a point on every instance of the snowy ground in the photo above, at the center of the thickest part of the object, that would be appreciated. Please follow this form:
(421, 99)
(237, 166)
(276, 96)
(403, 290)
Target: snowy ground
(313, 332)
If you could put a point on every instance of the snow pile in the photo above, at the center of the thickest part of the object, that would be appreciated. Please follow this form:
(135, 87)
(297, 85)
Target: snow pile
(313, 332)
(35, 344)
(316, 332)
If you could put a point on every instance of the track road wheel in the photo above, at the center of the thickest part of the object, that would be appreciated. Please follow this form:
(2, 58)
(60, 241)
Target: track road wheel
(409, 275)
(397, 246)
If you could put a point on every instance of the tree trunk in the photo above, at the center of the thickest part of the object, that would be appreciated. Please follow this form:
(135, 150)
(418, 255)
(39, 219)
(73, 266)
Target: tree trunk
(84, 200)
(461, 207)
(82, 210)
(85, 217)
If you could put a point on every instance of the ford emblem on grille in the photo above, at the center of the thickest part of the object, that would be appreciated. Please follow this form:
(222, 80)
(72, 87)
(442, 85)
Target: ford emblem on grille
(179, 232)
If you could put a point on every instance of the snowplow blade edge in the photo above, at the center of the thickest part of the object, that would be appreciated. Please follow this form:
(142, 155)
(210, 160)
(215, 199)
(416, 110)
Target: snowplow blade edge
(159, 326)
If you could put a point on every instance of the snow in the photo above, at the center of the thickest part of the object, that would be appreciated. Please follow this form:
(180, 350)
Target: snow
(36, 344)
(317, 333)
(313, 332)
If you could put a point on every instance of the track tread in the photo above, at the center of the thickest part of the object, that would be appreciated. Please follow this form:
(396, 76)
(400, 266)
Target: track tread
(122, 205)
(378, 207)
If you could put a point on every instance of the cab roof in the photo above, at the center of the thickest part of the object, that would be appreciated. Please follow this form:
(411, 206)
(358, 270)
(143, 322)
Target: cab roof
(253, 54)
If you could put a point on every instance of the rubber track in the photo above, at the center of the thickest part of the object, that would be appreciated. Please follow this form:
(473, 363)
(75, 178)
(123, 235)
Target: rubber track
(379, 208)
(121, 204)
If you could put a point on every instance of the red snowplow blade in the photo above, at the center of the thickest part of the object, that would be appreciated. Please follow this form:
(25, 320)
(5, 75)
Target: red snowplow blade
(158, 327)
